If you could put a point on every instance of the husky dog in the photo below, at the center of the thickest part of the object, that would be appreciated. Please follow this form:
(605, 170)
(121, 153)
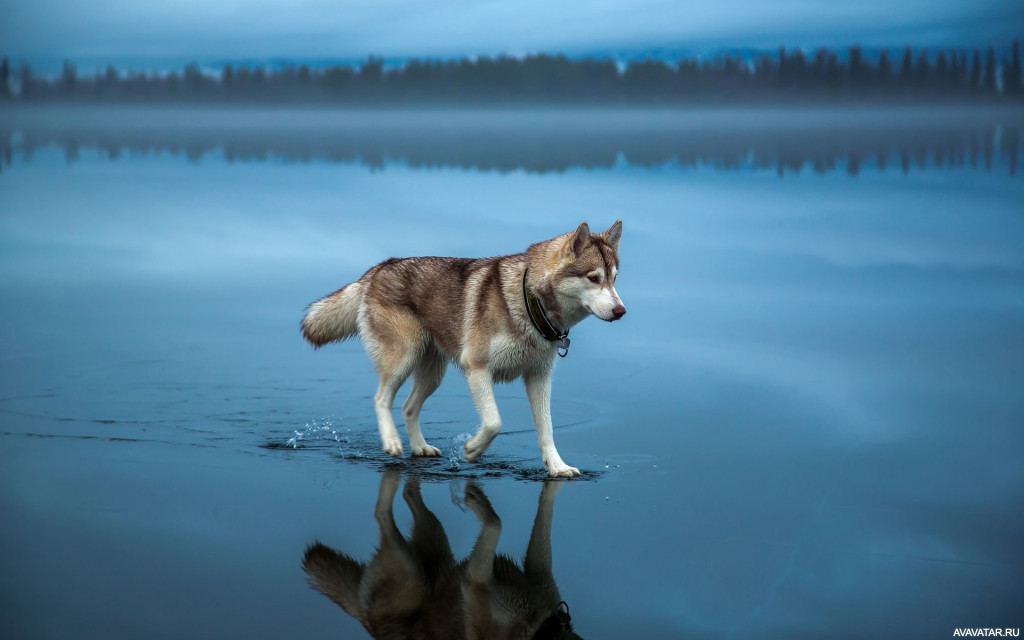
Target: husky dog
(496, 318)
(415, 588)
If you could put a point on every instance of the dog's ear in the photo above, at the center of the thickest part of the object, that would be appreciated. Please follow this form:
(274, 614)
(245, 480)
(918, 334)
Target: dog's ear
(613, 234)
(578, 242)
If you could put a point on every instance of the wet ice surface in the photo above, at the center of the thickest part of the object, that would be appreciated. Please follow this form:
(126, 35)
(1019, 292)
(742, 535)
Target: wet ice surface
(363, 446)
(807, 425)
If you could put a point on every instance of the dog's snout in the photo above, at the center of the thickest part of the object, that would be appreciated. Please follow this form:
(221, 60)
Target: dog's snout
(618, 311)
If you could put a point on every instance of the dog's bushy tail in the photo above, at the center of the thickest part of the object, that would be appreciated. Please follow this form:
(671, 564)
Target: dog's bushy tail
(333, 317)
(335, 575)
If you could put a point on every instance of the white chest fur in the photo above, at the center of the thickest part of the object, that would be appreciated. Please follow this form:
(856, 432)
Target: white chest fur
(510, 358)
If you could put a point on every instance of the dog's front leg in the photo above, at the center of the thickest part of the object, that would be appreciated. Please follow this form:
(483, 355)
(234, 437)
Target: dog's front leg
(538, 390)
(481, 387)
(478, 586)
(538, 552)
(480, 564)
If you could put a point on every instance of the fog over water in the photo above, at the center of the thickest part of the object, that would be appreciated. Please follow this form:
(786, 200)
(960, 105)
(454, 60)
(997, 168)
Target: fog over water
(808, 424)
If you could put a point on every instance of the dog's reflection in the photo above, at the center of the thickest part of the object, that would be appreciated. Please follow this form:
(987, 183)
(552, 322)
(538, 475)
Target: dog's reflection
(415, 588)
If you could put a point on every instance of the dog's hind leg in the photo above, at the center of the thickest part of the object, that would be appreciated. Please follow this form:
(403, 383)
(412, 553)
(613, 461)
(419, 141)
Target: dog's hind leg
(395, 569)
(383, 512)
(429, 542)
(383, 401)
(395, 342)
(426, 377)
(481, 387)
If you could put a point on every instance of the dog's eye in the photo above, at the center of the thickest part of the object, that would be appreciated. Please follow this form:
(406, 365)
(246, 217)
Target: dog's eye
(595, 279)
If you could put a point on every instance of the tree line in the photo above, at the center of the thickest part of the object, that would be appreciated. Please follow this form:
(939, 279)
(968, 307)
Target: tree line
(824, 75)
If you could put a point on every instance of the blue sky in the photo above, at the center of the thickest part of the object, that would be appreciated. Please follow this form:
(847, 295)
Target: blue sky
(148, 33)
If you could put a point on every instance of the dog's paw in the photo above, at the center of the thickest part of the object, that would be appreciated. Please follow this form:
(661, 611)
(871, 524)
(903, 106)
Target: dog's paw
(563, 471)
(481, 506)
(472, 455)
(393, 447)
(474, 497)
(426, 451)
(473, 450)
(475, 446)
(411, 492)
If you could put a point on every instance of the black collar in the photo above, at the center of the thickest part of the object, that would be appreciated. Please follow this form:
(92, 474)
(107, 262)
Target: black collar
(551, 333)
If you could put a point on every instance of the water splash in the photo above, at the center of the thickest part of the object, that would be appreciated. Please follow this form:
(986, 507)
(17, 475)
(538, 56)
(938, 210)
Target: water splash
(456, 450)
(457, 492)
(318, 432)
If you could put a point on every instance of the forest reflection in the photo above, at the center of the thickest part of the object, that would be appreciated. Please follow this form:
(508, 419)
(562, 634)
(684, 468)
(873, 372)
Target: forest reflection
(510, 142)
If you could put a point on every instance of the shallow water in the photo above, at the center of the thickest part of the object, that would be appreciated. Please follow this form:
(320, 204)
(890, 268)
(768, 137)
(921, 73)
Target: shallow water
(807, 425)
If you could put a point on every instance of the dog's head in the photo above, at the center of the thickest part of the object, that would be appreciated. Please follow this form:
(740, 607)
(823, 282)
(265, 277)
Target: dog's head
(590, 266)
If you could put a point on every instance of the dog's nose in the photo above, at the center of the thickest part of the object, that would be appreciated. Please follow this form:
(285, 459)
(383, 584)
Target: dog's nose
(618, 312)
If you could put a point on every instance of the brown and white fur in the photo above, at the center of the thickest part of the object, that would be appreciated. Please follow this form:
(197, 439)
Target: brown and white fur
(414, 587)
(415, 315)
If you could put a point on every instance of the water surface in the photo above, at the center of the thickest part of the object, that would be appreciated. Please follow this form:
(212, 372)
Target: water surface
(807, 425)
